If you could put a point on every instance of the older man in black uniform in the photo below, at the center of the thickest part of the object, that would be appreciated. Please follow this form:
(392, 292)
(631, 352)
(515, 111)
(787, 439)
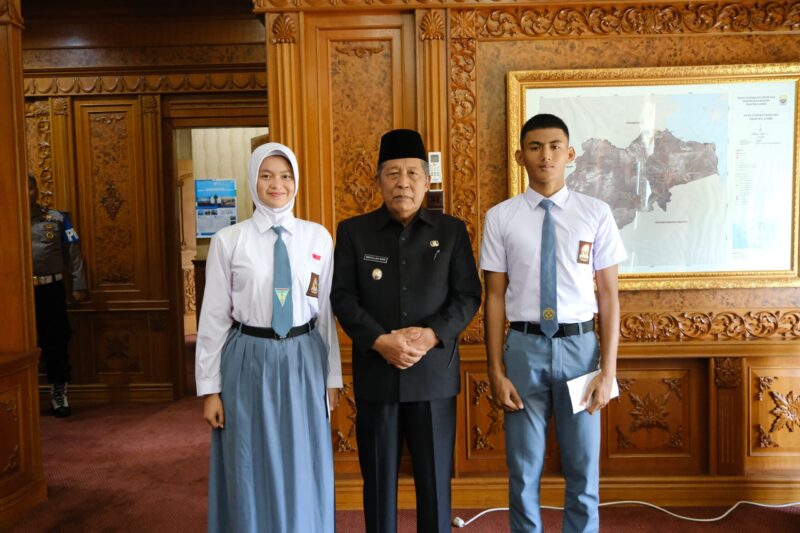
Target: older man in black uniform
(55, 251)
(404, 287)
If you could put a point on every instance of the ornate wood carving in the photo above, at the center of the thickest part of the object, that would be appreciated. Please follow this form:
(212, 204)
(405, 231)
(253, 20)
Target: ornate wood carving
(786, 412)
(344, 439)
(592, 19)
(189, 298)
(622, 440)
(40, 150)
(361, 110)
(283, 30)
(482, 439)
(652, 417)
(10, 13)
(727, 373)
(676, 439)
(463, 187)
(117, 350)
(10, 407)
(154, 83)
(710, 326)
(360, 50)
(674, 385)
(649, 411)
(112, 189)
(664, 19)
(432, 27)
(764, 384)
(12, 462)
(625, 385)
(765, 439)
(112, 201)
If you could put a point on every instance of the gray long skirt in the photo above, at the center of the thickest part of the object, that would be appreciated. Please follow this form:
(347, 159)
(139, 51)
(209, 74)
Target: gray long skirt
(272, 465)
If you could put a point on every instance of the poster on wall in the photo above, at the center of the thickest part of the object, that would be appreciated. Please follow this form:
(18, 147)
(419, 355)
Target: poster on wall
(215, 205)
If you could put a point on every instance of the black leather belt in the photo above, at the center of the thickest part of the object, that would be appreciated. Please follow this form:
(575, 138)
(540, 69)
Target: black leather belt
(564, 330)
(269, 333)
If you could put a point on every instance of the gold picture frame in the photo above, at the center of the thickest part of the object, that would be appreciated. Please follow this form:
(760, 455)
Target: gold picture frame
(706, 195)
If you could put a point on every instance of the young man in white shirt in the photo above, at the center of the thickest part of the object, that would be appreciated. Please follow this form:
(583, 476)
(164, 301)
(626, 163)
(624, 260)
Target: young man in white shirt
(528, 374)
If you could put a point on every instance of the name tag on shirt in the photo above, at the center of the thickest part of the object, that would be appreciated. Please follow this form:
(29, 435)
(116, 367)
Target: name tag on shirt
(376, 258)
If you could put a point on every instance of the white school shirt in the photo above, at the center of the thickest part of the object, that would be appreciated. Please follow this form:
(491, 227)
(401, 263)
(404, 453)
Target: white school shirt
(239, 287)
(512, 243)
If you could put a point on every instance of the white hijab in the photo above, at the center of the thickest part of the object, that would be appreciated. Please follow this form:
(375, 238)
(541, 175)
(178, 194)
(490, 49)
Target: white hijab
(274, 216)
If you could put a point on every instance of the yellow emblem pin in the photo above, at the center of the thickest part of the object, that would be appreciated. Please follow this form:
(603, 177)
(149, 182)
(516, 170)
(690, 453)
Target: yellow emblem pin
(434, 244)
(548, 314)
(377, 274)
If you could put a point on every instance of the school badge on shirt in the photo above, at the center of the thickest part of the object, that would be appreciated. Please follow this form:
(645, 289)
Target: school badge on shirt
(313, 286)
(584, 252)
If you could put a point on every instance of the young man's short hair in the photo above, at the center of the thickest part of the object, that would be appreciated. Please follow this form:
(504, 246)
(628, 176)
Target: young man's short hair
(540, 122)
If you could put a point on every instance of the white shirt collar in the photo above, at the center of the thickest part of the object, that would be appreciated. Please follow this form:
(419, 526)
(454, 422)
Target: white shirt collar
(559, 198)
(264, 222)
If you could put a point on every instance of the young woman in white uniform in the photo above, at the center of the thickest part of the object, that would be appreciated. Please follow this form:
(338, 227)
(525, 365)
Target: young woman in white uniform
(264, 378)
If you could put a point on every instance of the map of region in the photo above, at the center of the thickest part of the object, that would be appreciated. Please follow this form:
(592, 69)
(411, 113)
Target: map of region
(643, 174)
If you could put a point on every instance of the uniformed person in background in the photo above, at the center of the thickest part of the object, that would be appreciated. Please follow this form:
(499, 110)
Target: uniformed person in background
(56, 252)
(404, 287)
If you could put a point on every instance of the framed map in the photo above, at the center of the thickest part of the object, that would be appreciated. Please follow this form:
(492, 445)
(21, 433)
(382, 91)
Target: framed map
(698, 164)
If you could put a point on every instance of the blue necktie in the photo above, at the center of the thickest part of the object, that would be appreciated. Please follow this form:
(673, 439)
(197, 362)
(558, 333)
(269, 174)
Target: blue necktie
(282, 287)
(548, 290)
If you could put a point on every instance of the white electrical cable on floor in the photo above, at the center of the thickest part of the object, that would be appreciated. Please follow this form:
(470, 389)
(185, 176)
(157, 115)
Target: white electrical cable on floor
(459, 522)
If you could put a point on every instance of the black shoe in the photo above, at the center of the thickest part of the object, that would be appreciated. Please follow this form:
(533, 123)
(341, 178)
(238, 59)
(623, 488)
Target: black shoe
(58, 397)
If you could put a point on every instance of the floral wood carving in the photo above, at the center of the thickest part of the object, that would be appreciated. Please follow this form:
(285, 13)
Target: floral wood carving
(624, 386)
(59, 106)
(112, 200)
(623, 441)
(765, 439)
(596, 18)
(150, 104)
(698, 326)
(39, 147)
(787, 411)
(727, 373)
(463, 141)
(10, 406)
(676, 439)
(649, 411)
(432, 27)
(674, 385)
(344, 440)
(360, 51)
(283, 30)
(764, 384)
(189, 297)
(483, 439)
(12, 462)
(154, 83)
(117, 352)
(666, 19)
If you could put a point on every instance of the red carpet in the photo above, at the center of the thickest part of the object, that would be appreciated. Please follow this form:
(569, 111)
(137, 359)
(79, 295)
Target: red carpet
(143, 467)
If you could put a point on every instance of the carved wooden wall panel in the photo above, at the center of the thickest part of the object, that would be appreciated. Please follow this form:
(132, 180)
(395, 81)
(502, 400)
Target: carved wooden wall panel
(12, 424)
(773, 397)
(40, 148)
(657, 424)
(361, 83)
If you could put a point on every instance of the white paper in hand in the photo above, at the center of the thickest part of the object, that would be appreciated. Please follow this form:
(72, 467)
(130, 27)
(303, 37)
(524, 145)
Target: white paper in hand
(577, 389)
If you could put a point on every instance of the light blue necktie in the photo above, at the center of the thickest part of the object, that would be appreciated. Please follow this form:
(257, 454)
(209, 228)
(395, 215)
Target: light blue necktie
(282, 287)
(548, 290)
